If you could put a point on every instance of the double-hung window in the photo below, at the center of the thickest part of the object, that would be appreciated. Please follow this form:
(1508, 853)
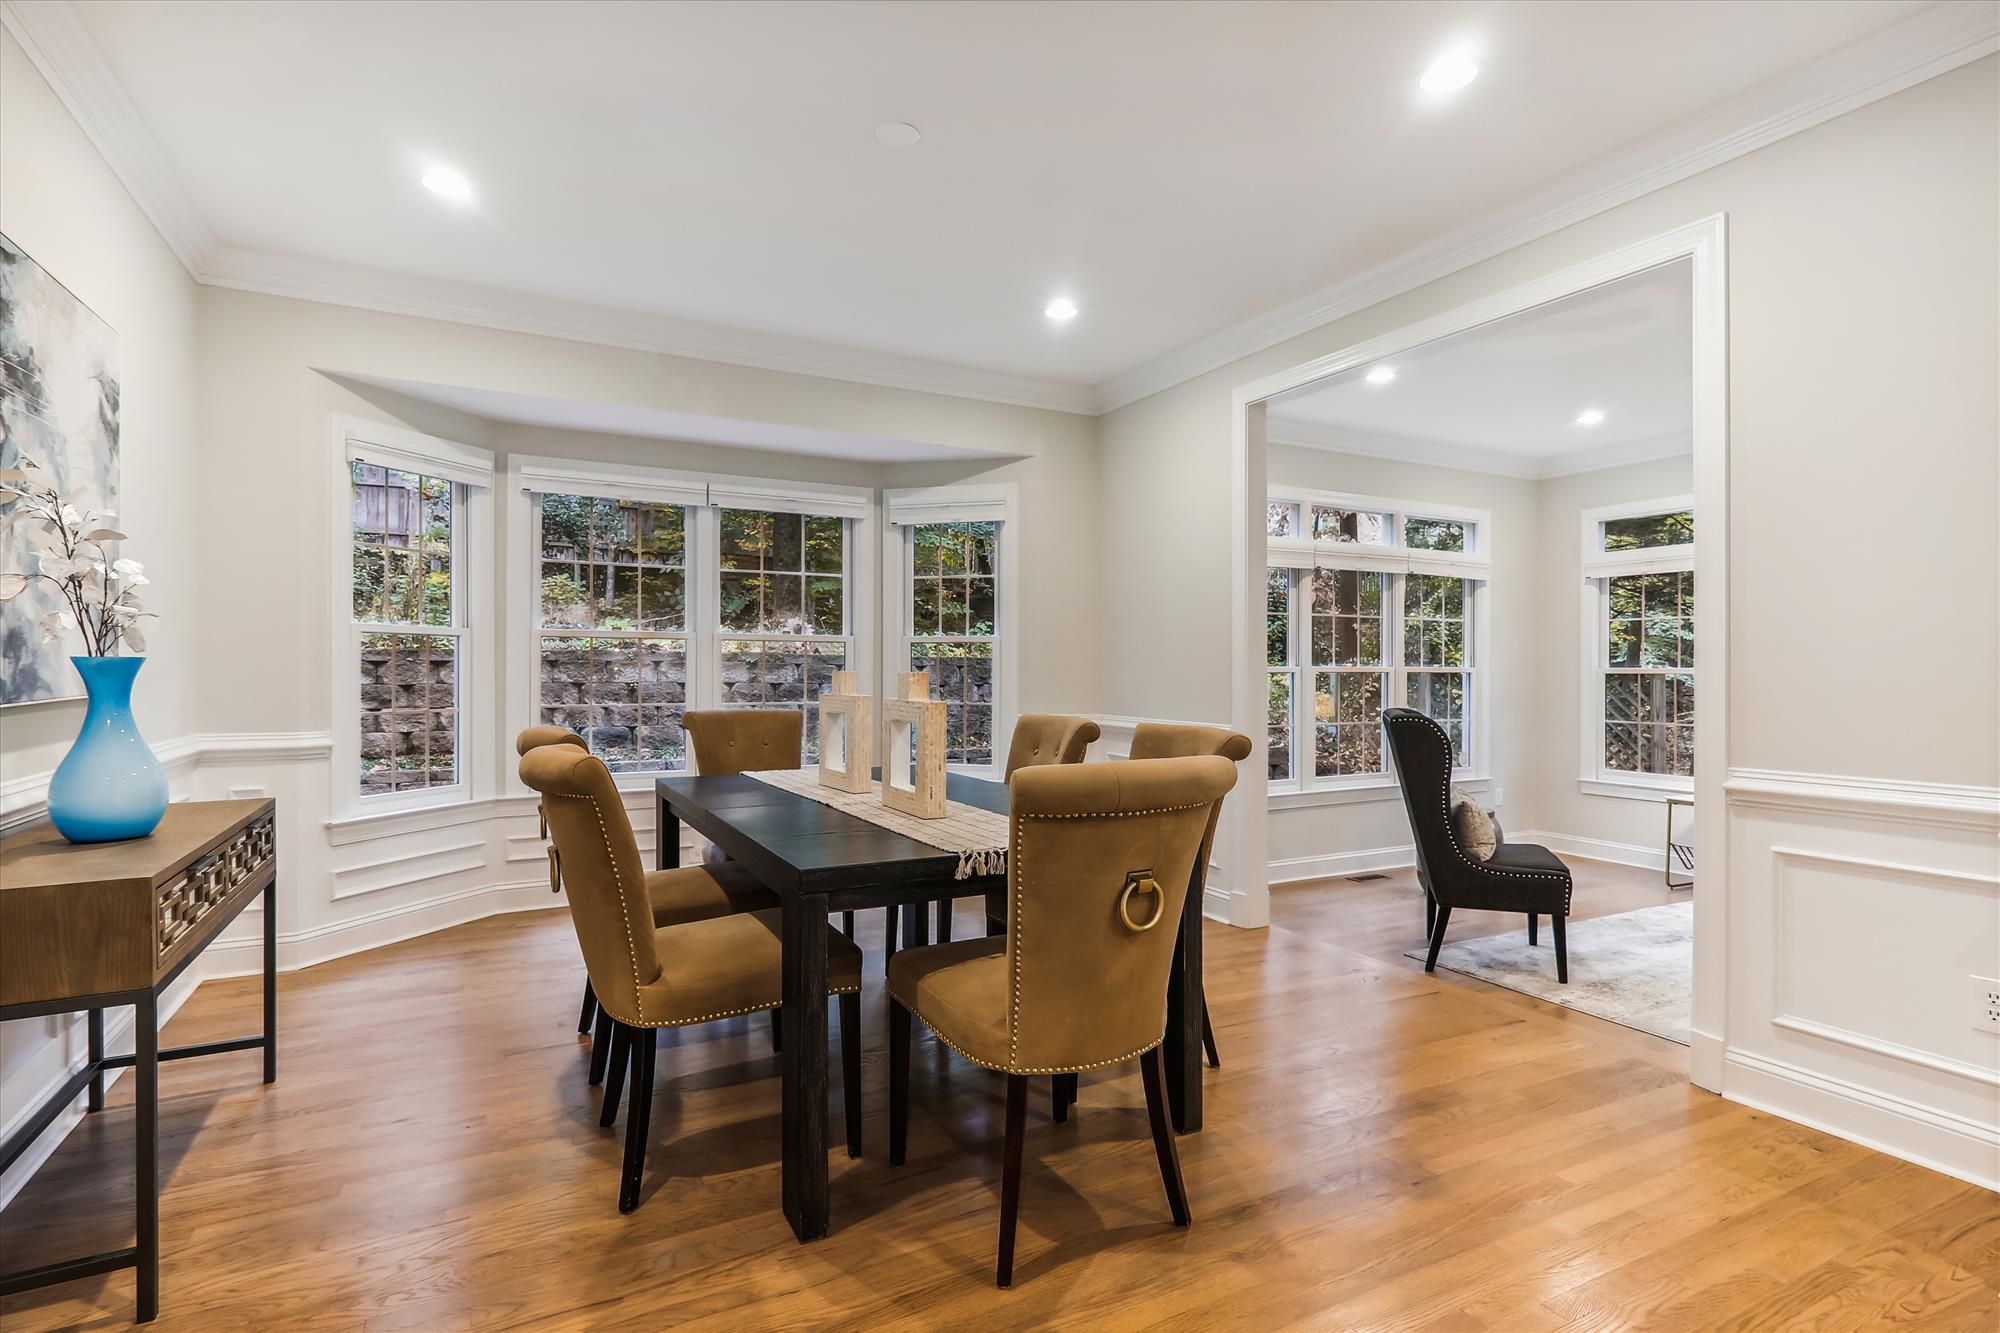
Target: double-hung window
(1370, 602)
(656, 592)
(611, 626)
(1638, 608)
(783, 611)
(950, 560)
(415, 512)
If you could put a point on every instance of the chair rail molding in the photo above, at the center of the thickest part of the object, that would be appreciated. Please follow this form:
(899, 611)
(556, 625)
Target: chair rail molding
(1945, 804)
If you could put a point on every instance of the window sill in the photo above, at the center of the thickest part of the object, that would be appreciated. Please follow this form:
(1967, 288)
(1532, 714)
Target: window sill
(1632, 790)
(1387, 789)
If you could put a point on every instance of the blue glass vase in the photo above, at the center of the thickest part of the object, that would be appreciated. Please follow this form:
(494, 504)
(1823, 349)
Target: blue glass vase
(109, 786)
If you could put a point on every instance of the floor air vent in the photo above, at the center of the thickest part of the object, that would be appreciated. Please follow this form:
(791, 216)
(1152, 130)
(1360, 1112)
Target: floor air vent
(1363, 879)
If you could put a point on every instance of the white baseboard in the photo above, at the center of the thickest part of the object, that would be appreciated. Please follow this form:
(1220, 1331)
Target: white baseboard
(1595, 849)
(1966, 1149)
(244, 956)
(1333, 865)
(118, 1040)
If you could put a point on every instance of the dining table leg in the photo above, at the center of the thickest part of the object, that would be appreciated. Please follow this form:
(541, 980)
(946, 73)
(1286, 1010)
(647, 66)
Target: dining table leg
(802, 1065)
(1184, 1006)
(666, 838)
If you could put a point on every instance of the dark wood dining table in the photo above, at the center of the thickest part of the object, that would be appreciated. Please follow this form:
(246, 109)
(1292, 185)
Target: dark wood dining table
(820, 860)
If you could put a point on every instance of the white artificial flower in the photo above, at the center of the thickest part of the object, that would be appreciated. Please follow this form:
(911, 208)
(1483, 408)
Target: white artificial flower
(61, 567)
(128, 567)
(72, 517)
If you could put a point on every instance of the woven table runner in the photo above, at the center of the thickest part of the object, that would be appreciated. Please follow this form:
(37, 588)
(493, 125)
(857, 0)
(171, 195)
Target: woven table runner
(979, 837)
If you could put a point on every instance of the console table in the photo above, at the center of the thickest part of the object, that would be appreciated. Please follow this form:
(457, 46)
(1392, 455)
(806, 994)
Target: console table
(85, 927)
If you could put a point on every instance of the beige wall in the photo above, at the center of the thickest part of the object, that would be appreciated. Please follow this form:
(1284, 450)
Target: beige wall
(1863, 354)
(266, 420)
(62, 206)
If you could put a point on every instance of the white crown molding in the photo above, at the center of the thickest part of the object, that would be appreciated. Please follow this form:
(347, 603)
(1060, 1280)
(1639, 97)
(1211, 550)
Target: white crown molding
(1465, 457)
(577, 321)
(1929, 43)
(1923, 46)
(58, 45)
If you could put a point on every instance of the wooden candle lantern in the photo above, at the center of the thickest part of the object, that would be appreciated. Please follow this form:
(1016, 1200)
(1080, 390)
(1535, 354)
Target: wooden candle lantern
(913, 768)
(846, 736)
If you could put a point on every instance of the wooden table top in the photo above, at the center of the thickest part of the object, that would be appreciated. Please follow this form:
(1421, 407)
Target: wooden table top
(38, 857)
(794, 842)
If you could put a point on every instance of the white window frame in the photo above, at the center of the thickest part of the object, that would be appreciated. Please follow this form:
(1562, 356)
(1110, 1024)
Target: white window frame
(994, 502)
(704, 495)
(470, 470)
(1396, 561)
(1599, 567)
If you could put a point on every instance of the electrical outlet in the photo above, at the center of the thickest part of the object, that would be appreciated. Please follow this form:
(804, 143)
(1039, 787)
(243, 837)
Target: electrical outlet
(1986, 1004)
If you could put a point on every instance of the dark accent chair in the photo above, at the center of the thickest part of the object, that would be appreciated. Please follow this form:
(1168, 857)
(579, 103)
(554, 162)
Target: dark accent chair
(1520, 876)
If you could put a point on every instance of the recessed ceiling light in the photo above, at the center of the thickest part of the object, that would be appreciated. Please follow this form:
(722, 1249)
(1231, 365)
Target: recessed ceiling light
(1590, 416)
(1060, 308)
(897, 134)
(450, 183)
(1381, 375)
(1449, 72)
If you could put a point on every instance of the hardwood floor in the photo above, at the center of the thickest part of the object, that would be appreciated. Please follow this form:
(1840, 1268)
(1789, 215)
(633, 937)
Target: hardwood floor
(1384, 1150)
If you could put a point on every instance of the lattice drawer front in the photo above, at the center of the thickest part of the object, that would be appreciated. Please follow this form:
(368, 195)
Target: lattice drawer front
(185, 901)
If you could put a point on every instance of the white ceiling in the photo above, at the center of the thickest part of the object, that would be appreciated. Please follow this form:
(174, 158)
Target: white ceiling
(657, 424)
(1177, 168)
(1507, 395)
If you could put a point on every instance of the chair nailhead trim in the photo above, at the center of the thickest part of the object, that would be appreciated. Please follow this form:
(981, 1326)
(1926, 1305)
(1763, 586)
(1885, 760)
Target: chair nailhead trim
(728, 1013)
(1452, 833)
(1017, 880)
(1010, 1067)
(624, 909)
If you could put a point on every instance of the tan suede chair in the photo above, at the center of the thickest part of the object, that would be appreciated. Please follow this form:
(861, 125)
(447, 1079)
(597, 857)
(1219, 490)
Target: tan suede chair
(649, 977)
(1049, 738)
(1166, 740)
(1099, 861)
(676, 896)
(1039, 738)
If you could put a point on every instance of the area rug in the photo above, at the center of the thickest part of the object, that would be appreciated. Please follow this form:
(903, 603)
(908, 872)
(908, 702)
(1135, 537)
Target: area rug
(1635, 968)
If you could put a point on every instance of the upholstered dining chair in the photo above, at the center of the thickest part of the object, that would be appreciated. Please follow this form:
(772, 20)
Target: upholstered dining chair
(1518, 877)
(1039, 738)
(1099, 862)
(675, 896)
(649, 977)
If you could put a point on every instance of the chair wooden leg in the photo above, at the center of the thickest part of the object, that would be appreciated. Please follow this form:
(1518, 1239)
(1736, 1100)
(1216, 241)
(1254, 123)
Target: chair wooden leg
(589, 1014)
(1534, 921)
(1562, 949)
(600, 1047)
(1010, 1174)
(1208, 1037)
(850, 1068)
(899, 1080)
(1437, 937)
(895, 915)
(614, 1077)
(1163, 1136)
(1062, 1096)
(944, 921)
(777, 1032)
(847, 924)
(644, 1045)
(1430, 915)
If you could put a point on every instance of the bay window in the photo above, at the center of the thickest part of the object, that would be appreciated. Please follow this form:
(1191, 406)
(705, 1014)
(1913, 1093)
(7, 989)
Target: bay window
(656, 592)
(1369, 602)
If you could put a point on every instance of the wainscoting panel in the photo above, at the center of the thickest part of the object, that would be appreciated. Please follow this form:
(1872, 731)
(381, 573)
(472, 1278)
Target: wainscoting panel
(1859, 912)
